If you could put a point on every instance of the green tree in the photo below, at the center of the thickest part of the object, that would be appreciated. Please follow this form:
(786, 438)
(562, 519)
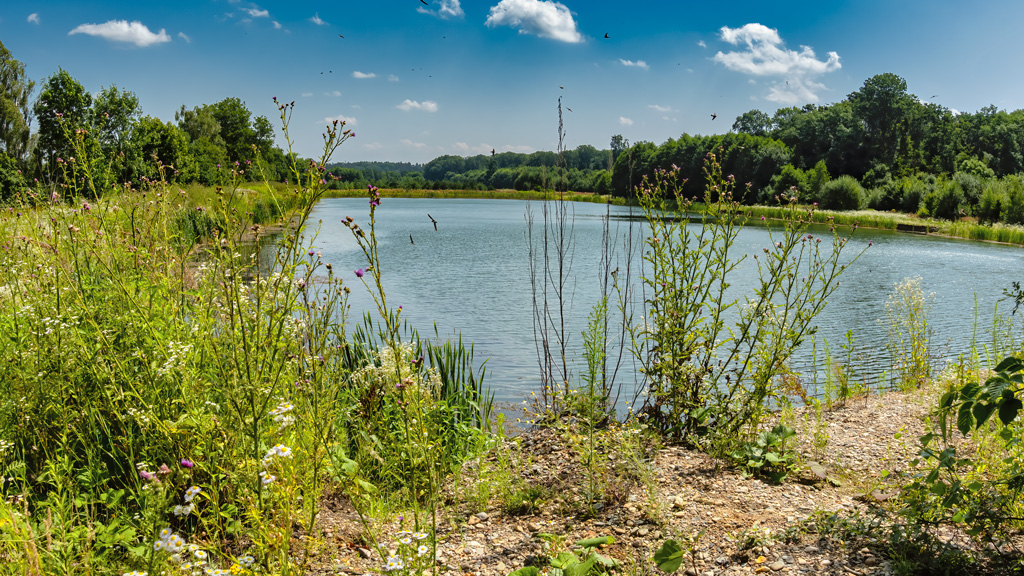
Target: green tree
(618, 145)
(235, 128)
(883, 105)
(15, 88)
(439, 168)
(153, 143)
(114, 113)
(754, 122)
(62, 108)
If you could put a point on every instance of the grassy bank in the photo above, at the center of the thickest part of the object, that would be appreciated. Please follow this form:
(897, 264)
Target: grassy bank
(483, 194)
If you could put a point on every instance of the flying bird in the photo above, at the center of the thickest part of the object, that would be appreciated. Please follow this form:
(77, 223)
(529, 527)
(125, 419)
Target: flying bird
(492, 154)
(434, 221)
(713, 116)
(561, 87)
(605, 34)
(425, 2)
(569, 109)
(340, 36)
(410, 239)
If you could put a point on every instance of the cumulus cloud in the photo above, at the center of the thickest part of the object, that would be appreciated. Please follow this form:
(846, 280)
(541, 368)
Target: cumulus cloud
(637, 64)
(539, 17)
(446, 9)
(184, 37)
(412, 144)
(766, 56)
(333, 93)
(392, 78)
(358, 74)
(277, 25)
(625, 121)
(702, 44)
(256, 12)
(661, 109)
(123, 31)
(33, 18)
(426, 105)
(348, 120)
(317, 20)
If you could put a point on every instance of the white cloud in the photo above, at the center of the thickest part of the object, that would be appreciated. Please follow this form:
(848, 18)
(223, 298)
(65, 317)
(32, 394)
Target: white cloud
(277, 25)
(658, 108)
(348, 120)
(123, 31)
(184, 37)
(33, 18)
(625, 121)
(373, 146)
(447, 9)
(540, 17)
(307, 94)
(316, 20)
(358, 74)
(412, 144)
(467, 149)
(521, 149)
(637, 64)
(767, 56)
(702, 44)
(333, 93)
(392, 78)
(256, 12)
(426, 105)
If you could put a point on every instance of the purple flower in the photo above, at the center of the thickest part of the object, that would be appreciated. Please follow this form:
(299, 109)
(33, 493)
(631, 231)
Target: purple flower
(870, 244)
(360, 272)
(187, 463)
(312, 253)
(146, 475)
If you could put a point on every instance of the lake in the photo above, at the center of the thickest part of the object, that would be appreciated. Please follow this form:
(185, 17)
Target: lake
(471, 276)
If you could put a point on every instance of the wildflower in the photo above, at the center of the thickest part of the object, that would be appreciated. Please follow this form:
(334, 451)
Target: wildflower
(394, 563)
(246, 560)
(191, 493)
(187, 463)
(134, 573)
(180, 511)
(164, 469)
(159, 545)
(422, 550)
(200, 554)
(267, 479)
(870, 244)
(419, 535)
(166, 533)
(359, 272)
(146, 475)
(405, 540)
(175, 543)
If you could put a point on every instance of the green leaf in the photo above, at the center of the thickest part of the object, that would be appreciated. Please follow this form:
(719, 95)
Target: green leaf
(669, 557)
(1010, 364)
(969, 391)
(982, 412)
(595, 542)
(964, 418)
(526, 571)
(947, 400)
(772, 457)
(565, 560)
(939, 488)
(580, 568)
(1008, 410)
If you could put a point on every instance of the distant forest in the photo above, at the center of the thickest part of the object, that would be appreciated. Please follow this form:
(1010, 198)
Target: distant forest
(882, 147)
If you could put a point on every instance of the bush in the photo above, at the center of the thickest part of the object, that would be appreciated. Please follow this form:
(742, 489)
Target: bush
(843, 193)
(946, 201)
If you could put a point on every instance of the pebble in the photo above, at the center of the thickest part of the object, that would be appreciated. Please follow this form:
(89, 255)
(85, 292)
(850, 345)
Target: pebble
(533, 527)
(722, 560)
(777, 565)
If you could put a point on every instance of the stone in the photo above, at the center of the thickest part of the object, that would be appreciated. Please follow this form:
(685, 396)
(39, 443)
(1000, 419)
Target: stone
(533, 527)
(482, 515)
(364, 552)
(777, 565)
(722, 560)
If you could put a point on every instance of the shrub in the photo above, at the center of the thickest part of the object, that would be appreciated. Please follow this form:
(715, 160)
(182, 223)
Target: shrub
(843, 193)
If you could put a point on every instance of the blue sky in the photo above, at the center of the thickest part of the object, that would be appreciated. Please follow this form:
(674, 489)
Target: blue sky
(416, 81)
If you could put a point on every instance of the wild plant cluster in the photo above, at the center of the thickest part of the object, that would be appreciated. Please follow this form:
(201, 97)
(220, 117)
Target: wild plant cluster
(181, 387)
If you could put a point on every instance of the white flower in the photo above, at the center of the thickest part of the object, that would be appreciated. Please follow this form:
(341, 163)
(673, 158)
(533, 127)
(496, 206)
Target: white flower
(394, 563)
(200, 554)
(419, 535)
(422, 550)
(191, 493)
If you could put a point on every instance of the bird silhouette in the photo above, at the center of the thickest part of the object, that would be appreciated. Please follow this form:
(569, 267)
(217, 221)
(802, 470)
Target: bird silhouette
(425, 2)
(605, 34)
(492, 154)
(713, 116)
(935, 96)
(434, 221)
(340, 36)
(561, 87)
(569, 109)
(410, 239)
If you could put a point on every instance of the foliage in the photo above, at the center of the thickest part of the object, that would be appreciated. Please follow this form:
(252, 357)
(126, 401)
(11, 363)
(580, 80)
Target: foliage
(768, 454)
(582, 559)
(15, 89)
(842, 193)
(703, 377)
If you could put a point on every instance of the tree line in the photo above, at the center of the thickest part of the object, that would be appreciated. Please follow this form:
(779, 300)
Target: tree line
(114, 142)
(882, 147)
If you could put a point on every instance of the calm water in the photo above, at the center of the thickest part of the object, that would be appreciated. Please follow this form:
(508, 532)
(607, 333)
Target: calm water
(472, 276)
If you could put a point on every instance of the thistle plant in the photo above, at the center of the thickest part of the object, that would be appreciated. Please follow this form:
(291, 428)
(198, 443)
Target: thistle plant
(712, 362)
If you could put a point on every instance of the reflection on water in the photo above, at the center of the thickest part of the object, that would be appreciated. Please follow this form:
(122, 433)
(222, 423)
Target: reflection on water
(471, 276)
